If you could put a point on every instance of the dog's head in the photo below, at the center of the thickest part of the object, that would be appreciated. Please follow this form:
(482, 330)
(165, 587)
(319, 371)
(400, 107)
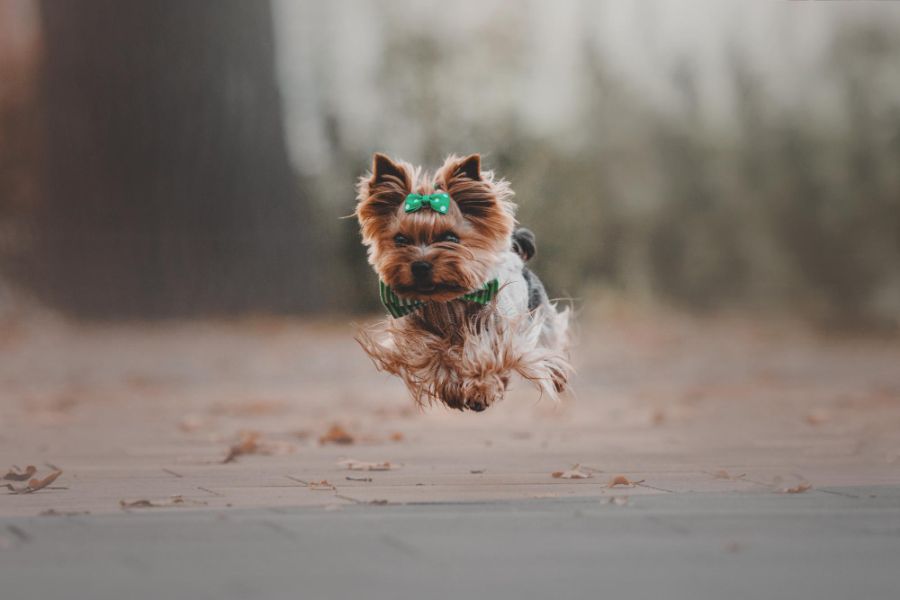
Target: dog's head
(427, 254)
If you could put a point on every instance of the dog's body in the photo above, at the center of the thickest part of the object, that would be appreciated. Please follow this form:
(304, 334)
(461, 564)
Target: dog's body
(469, 313)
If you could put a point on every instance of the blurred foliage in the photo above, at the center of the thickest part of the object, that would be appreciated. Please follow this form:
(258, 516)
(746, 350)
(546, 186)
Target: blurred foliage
(783, 213)
(779, 211)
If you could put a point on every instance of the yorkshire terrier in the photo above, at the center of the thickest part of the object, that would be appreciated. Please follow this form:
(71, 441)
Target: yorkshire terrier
(466, 313)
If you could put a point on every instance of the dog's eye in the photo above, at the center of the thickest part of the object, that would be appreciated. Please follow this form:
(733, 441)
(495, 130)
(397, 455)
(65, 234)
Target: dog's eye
(401, 240)
(449, 237)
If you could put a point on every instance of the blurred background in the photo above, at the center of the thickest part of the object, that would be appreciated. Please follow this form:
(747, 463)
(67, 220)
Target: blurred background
(714, 185)
(187, 159)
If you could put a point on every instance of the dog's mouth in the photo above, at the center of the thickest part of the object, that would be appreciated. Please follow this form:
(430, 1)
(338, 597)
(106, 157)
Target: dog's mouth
(429, 288)
(425, 287)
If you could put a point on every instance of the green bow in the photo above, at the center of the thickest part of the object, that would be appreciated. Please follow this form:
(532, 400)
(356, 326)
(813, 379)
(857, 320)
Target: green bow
(439, 202)
(400, 307)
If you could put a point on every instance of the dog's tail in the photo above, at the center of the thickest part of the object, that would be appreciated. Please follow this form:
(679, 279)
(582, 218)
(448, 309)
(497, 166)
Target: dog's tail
(524, 244)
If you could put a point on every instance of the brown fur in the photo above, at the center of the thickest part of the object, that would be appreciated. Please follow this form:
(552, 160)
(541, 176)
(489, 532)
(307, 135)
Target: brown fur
(460, 353)
(480, 214)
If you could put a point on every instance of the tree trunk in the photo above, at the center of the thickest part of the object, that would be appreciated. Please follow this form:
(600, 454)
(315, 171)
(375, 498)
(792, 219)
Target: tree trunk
(168, 187)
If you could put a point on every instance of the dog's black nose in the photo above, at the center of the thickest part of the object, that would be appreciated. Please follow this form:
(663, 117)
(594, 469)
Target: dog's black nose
(421, 269)
(477, 406)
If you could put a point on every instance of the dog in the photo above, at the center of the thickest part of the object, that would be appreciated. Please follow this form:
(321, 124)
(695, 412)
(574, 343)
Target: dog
(465, 312)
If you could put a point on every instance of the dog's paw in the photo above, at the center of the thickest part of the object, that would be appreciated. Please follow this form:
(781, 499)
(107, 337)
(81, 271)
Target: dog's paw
(474, 394)
(484, 396)
(560, 380)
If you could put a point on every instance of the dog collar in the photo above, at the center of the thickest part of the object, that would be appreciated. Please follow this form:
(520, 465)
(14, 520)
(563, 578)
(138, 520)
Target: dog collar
(400, 307)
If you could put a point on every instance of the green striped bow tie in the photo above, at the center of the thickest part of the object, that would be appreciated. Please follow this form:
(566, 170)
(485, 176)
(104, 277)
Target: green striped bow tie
(400, 307)
(439, 202)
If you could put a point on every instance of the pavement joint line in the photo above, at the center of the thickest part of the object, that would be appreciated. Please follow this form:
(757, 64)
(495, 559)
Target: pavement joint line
(836, 493)
(349, 499)
(173, 473)
(653, 487)
(209, 491)
(19, 533)
(765, 484)
(489, 484)
(675, 527)
(283, 531)
(399, 545)
(292, 478)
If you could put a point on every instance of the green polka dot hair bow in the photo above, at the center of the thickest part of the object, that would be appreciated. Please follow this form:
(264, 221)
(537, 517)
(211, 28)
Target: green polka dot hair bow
(439, 202)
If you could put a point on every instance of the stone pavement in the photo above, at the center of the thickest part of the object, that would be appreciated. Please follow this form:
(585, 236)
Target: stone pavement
(757, 459)
(693, 546)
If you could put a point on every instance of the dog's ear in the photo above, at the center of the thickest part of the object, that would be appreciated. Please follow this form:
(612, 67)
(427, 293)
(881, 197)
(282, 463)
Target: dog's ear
(482, 199)
(380, 192)
(383, 168)
(469, 167)
(467, 185)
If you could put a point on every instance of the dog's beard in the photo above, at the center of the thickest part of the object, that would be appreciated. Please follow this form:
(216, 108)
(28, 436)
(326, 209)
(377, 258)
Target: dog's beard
(454, 272)
(479, 224)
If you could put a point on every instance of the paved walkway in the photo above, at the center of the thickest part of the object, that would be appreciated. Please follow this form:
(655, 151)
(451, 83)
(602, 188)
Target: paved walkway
(693, 546)
(750, 461)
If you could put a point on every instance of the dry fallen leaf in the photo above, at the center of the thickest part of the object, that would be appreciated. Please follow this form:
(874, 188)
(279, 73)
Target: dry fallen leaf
(250, 442)
(321, 485)
(623, 481)
(734, 547)
(52, 512)
(39, 484)
(251, 408)
(35, 484)
(247, 444)
(163, 503)
(135, 503)
(576, 472)
(15, 474)
(276, 448)
(801, 487)
(723, 474)
(818, 417)
(336, 435)
(192, 423)
(358, 465)
(397, 436)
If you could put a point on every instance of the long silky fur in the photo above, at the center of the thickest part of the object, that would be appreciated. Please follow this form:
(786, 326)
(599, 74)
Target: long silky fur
(455, 354)
(458, 353)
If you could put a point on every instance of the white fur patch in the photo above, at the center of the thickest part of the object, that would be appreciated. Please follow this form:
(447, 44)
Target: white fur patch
(470, 359)
(513, 297)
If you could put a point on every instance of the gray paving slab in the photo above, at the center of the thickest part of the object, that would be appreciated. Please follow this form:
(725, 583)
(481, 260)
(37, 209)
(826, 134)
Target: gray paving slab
(835, 543)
